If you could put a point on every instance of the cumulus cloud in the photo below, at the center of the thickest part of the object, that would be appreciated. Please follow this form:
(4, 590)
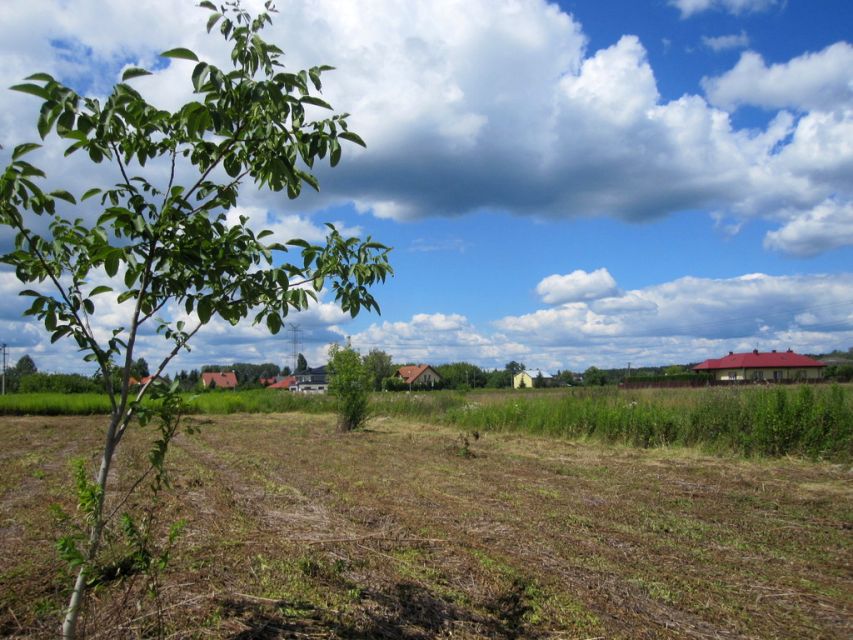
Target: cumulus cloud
(691, 7)
(576, 286)
(827, 226)
(438, 337)
(507, 108)
(819, 81)
(684, 320)
(723, 43)
(692, 307)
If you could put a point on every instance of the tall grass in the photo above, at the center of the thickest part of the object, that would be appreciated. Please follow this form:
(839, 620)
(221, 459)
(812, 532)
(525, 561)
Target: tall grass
(54, 404)
(813, 421)
(217, 402)
(766, 421)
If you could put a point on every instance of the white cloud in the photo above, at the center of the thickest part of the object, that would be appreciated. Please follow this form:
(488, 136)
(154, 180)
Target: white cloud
(692, 308)
(736, 7)
(723, 43)
(504, 105)
(576, 286)
(827, 226)
(822, 81)
(685, 320)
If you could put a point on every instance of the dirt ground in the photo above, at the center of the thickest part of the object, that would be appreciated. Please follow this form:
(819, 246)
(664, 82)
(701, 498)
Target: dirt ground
(408, 531)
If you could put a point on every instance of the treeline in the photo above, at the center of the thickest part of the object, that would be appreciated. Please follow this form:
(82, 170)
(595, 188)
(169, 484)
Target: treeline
(24, 377)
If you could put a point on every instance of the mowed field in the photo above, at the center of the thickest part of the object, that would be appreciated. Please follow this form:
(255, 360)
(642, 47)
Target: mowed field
(402, 531)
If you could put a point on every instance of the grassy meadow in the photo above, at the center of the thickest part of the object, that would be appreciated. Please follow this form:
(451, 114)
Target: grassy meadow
(815, 421)
(414, 529)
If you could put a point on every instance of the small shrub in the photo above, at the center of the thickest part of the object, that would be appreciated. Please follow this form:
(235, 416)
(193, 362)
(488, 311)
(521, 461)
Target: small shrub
(350, 384)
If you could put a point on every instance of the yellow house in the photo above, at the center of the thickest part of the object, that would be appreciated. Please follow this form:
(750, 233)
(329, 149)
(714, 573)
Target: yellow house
(772, 366)
(527, 379)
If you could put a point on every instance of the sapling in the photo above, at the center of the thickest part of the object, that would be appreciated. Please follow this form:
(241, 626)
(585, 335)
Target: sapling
(171, 257)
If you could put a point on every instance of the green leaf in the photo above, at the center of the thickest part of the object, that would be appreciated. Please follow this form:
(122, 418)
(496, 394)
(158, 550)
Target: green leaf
(91, 192)
(274, 323)
(335, 155)
(21, 149)
(200, 73)
(134, 72)
(211, 22)
(207, 4)
(180, 53)
(317, 102)
(101, 289)
(32, 89)
(352, 137)
(111, 263)
(63, 195)
(205, 310)
(40, 77)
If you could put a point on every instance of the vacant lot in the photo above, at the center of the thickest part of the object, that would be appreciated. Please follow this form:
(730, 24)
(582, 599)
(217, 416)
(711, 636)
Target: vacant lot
(404, 531)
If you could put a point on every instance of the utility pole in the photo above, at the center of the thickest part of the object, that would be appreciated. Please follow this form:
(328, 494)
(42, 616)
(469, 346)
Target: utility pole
(3, 348)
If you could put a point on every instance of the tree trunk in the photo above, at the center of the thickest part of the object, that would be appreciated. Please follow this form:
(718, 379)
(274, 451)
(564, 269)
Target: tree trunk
(69, 624)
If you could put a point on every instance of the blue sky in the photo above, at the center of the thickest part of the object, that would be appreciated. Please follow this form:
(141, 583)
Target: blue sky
(572, 184)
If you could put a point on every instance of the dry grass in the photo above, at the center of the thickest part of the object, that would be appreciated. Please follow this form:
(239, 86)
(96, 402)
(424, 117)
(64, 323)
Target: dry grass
(403, 531)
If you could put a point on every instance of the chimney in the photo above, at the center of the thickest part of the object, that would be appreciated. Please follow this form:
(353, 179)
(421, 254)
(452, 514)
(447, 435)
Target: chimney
(790, 351)
(755, 352)
(774, 350)
(731, 353)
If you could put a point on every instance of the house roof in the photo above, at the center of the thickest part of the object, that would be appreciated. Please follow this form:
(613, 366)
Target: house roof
(757, 360)
(410, 373)
(134, 381)
(284, 383)
(221, 379)
(535, 374)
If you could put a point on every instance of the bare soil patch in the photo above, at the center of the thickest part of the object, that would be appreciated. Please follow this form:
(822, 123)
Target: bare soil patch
(402, 531)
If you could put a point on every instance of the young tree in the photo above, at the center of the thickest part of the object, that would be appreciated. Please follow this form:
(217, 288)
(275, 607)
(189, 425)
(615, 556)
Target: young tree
(379, 364)
(350, 382)
(170, 244)
(301, 364)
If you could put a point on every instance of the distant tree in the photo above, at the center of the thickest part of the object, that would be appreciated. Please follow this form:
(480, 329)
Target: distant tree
(594, 377)
(564, 378)
(460, 375)
(25, 366)
(675, 370)
(498, 379)
(380, 366)
(139, 369)
(301, 364)
(539, 381)
(350, 383)
(285, 371)
(514, 367)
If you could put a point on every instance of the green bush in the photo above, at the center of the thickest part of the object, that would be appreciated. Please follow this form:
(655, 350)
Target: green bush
(350, 384)
(57, 383)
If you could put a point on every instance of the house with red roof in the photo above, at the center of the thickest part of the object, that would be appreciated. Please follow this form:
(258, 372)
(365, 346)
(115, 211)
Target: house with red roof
(772, 366)
(418, 375)
(219, 380)
(285, 383)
